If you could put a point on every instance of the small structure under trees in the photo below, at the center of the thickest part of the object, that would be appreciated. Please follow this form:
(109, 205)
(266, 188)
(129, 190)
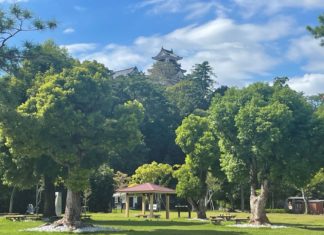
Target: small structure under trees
(147, 190)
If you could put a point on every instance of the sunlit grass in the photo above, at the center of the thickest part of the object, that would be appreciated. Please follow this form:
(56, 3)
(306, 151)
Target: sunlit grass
(297, 224)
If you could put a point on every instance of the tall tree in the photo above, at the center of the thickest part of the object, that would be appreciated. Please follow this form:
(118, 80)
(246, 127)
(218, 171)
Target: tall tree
(197, 141)
(194, 92)
(268, 131)
(73, 117)
(15, 90)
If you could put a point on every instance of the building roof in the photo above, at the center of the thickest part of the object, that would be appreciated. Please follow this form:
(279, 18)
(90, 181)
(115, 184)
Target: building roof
(125, 72)
(166, 54)
(147, 188)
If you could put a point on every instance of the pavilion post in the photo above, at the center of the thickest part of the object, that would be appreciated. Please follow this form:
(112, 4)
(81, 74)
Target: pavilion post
(167, 206)
(151, 205)
(143, 203)
(127, 206)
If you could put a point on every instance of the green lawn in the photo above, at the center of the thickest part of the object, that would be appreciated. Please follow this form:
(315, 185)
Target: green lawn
(298, 225)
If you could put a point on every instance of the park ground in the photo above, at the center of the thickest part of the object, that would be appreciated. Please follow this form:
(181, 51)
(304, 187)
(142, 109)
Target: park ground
(296, 225)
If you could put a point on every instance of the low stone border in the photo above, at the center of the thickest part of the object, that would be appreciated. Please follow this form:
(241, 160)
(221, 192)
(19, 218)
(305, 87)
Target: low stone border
(257, 226)
(90, 229)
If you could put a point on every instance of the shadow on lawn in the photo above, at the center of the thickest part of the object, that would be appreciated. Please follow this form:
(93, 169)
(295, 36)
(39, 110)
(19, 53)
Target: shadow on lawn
(143, 223)
(303, 226)
(176, 232)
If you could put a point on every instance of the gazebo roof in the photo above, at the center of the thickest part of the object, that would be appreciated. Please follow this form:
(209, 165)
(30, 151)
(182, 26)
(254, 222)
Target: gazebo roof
(147, 188)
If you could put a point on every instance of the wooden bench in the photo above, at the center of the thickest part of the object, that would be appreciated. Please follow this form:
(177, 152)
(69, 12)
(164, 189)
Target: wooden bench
(33, 217)
(241, 220)
(15, 217)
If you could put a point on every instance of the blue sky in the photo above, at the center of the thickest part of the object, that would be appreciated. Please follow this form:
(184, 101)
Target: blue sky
(244, 40)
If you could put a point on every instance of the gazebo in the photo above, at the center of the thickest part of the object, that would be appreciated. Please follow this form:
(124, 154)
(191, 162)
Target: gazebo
(144, 190)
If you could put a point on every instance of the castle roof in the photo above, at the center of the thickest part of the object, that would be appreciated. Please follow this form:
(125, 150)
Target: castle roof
(166, 55)
(125, 72)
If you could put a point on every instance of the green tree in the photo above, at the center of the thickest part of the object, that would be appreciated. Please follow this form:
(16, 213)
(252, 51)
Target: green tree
(197, 141)
(267, 131)
(73, 117)
(156, 173)
(102, 189)
(15, 90)
(318, 31)
(194, 92)
(158, 127)
(12, 23)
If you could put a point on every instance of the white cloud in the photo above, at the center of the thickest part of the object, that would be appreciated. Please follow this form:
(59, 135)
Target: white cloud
(12, 1)
(307, 50)
(78, 48)
(237, 52)
(68, 30)
(192, 8)
(310, 84)
(252, 7)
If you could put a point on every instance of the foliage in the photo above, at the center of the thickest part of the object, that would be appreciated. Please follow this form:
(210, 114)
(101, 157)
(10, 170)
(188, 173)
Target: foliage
(318, 31)
(158, 126)
(12, 23)
(194, 92)
(156, 173)
(121, 180)
(102, 189)
(268, 132)
(197, 141)
(70, 116)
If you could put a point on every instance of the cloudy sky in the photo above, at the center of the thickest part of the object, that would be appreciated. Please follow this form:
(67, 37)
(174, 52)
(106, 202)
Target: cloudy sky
(244, 40)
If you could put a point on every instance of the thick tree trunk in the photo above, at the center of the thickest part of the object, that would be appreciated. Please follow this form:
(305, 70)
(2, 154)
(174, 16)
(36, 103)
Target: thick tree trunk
(201, 210)
(49, 198)
(12, 197)
(72, 215)
(199, 207)
(258, 204)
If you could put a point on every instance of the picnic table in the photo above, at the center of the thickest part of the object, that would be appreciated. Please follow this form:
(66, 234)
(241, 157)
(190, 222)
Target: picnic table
(226, 217)
(22, 217)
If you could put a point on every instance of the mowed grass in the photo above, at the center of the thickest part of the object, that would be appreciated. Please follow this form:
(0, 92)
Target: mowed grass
(297, 225)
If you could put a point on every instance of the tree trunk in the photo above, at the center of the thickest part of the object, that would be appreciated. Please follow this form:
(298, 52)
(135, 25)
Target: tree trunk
(72, 215)
(199, 207)
(258, 204)
(12, 199)
(49, 198)
(242, 198)
(305, 201)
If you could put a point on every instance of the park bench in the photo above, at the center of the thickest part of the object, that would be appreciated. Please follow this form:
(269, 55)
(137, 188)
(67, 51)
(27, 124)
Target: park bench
(15, 217)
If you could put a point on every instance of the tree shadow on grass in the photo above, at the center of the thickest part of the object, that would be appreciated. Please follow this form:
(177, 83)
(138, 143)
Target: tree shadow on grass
(176, 232)
(143, 223)
(303, 226)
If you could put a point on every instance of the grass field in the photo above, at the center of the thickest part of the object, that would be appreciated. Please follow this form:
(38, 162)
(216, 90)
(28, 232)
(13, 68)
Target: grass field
(297, 225)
